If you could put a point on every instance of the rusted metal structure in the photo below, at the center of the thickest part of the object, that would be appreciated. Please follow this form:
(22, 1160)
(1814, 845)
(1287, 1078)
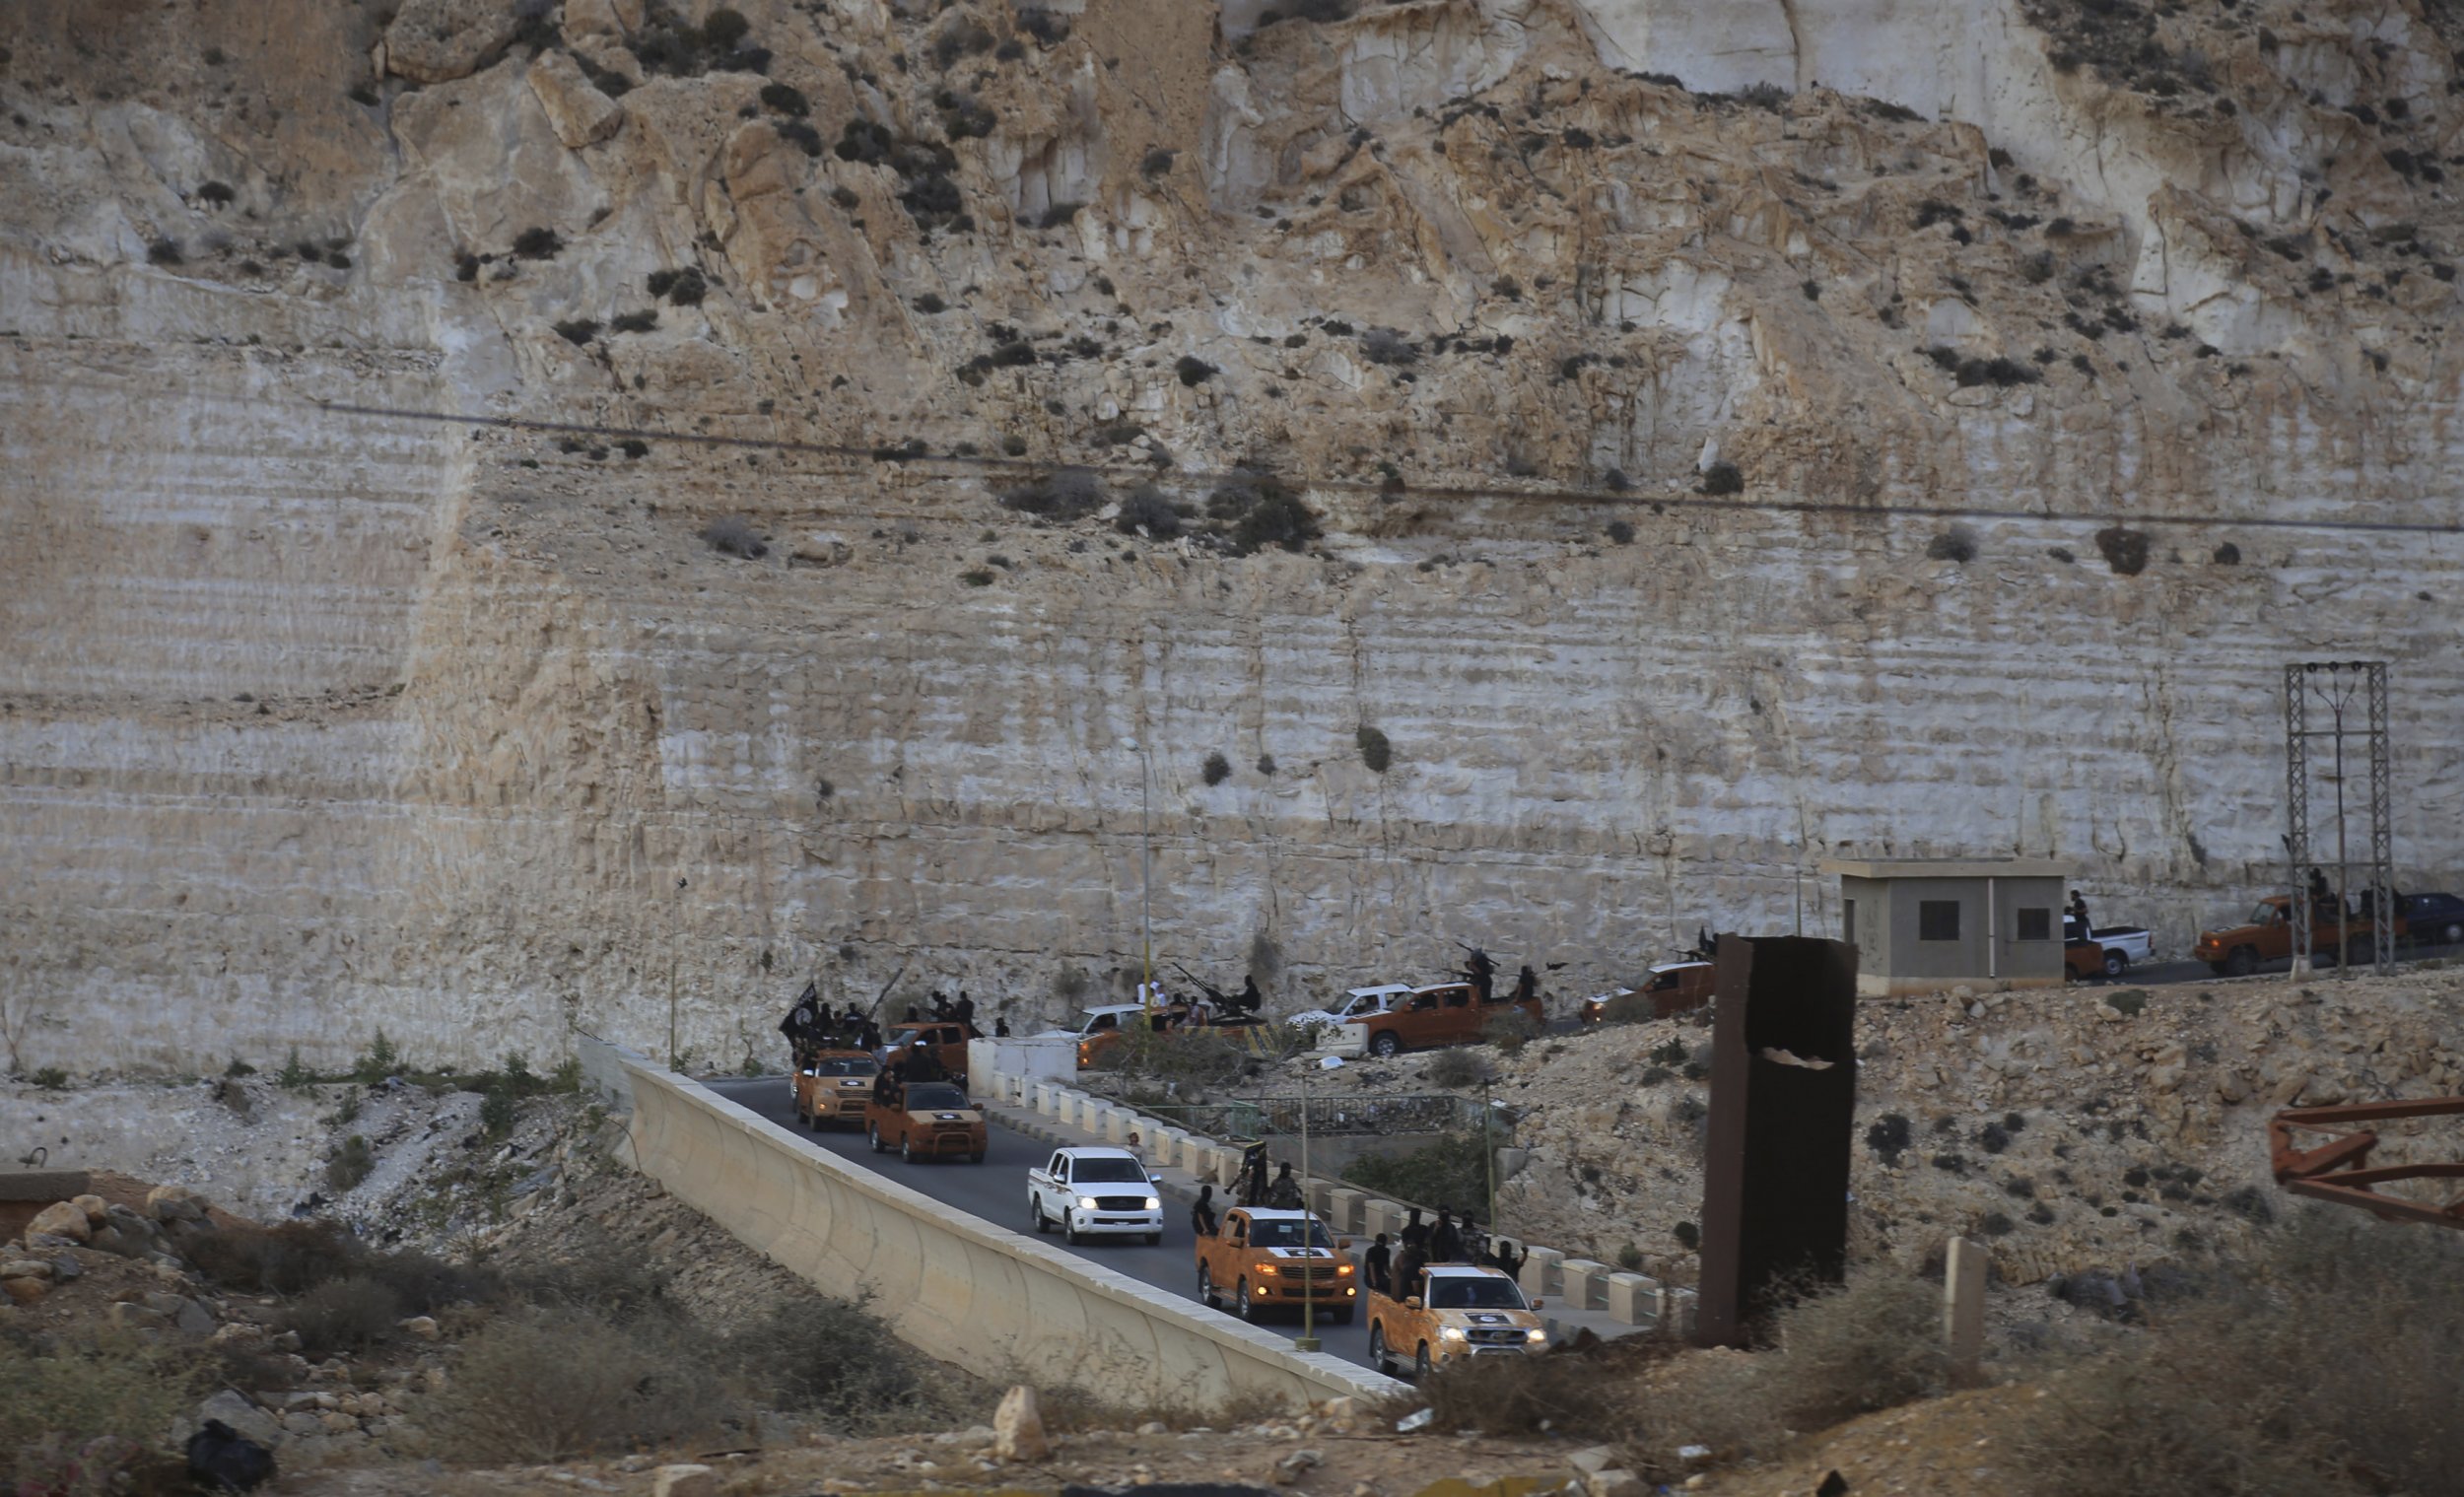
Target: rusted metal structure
(1783, 1112)
(2336, 1171)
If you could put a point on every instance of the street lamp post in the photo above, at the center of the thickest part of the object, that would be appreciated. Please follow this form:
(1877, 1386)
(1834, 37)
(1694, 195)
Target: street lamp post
(1308, 1339)
(1147, 880)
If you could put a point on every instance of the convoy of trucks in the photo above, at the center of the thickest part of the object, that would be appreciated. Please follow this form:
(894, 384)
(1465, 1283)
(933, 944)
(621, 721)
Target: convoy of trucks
(2237, 950)
(924, 1119)
(1444, 1013)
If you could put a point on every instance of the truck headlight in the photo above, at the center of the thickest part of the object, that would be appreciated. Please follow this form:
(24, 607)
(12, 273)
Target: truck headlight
(1536, 1337)
(1266, 1271)
(1344, 1272)
(1450, 1333)
(1086, 1202)
(1154, 1203)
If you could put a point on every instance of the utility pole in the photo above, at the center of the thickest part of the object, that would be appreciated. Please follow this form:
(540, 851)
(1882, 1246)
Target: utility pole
(1488, 1155)
(675, 918)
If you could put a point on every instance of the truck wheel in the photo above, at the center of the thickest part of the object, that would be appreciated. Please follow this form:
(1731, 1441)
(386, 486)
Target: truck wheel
(2115, 964)
(1378, 1359)
(907, 1148)
(1420, 1363)
(2242, 963)
(872, 1135)
(1069, 1232)
(1035, 1214)
(1206, 1295)
(1241, 1305)
(1385, 1043)
(2220, 968)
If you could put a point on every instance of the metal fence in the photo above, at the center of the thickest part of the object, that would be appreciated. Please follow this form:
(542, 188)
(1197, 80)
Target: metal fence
(1332, 1115)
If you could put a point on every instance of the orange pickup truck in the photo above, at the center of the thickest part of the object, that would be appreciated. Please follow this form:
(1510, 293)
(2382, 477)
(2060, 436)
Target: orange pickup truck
(1454, 1311)
(834, 1086)
(1447, 1013)
(2267, 935)
(1269, 1260)
(923, 1119)
(1669, 988)
(945, 1037)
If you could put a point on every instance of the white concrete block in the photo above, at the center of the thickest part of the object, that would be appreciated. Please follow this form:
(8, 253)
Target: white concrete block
(1346, 1210)
(1585, 1282)
(1540, 1271)
(1633, 1299)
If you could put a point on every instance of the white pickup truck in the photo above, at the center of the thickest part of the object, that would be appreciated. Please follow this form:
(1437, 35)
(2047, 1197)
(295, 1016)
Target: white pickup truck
(2116, 946)
(1095, 1192)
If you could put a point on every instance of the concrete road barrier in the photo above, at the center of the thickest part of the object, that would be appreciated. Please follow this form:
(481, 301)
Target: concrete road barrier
(994, 1301)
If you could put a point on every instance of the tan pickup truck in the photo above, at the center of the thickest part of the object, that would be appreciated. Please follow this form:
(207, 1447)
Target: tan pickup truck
(1454, 1311)
(2267, 935)
(1268, 1259)
(834, 1086)
(1669, 988)
(1447, 1013)
(923, 1119)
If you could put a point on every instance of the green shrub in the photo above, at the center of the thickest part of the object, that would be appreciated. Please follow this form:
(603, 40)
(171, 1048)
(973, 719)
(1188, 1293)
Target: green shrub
(237, 1068)
(1509, 1031)
(285, 1259)
(2130, 1002)
(734, 535)
(1630, 1259)
(568, 1078)
(496, 1110)
(1455, 1069)
(103, 1407)
(344, 1315)
(1451, 1171)
(1217, 768)
(537, 244)
(1722, 478)
(350, 1164)
(294, 1076)
(380, 1061)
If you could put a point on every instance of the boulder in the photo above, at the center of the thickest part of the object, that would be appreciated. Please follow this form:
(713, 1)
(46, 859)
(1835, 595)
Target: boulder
(93, 1206)
(61, 1218)
(134, 1317)
(24, 1268)
(1018, 1427)
(109, 1237)
(579, 114)
(168, 1204)
(25, 1291)
(243, 1415)
(440, 40)
(684, 1481)
(601, 17)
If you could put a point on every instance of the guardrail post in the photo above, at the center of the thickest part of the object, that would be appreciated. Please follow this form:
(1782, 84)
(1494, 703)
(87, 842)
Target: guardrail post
(1586, 1283)
(1540, 1271)
(1633, 1299)
(1385, 1216)
(1343, 1209)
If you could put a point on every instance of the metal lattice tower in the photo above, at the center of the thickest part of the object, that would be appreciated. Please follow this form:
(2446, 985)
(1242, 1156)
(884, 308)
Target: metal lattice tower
(2334, 693)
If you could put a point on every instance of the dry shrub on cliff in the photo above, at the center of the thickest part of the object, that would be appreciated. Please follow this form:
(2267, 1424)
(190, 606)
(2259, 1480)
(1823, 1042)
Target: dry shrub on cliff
(734, 535)
(1066, 493)
(344, 1315)
(2327, 1359)
(1375, 751)
(1145, 509)
(285, 1259)
(2125, 550)
(1722, 478)
(551, 1385)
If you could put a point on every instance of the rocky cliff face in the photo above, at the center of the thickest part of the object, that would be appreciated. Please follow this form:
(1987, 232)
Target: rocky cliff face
(522, 515)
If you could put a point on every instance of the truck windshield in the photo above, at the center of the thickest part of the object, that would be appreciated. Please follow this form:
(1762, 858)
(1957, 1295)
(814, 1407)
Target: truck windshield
(935, 1094)
(1475, 1292)
(2265, 915)
(1098, 1171)
(1289, 1234)
(847, 1065)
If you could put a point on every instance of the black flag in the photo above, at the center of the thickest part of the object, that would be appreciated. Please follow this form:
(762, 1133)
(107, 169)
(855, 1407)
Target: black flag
(803, 1020)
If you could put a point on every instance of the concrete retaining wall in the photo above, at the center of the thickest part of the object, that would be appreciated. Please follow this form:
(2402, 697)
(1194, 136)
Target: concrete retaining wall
(994, 1301)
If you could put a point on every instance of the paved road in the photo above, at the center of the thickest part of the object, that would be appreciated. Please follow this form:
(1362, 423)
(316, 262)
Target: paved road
(997, 1191)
